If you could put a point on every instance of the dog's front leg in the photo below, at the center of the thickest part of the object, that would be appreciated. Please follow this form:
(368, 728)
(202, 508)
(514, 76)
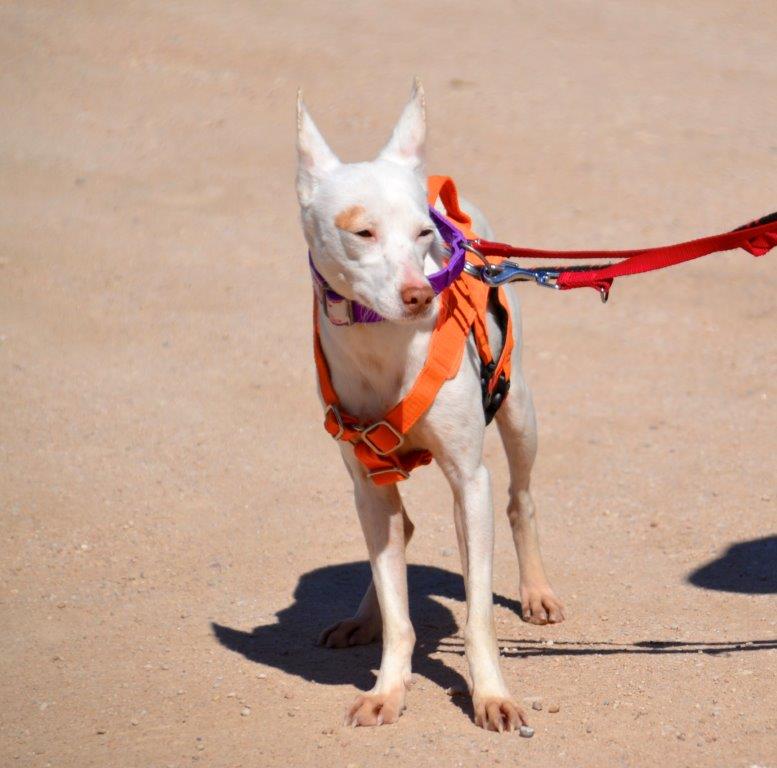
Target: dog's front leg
(494, 707)
(382, 520)
(365, 625)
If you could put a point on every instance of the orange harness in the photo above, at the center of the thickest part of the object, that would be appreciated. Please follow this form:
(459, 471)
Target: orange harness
(462, 312)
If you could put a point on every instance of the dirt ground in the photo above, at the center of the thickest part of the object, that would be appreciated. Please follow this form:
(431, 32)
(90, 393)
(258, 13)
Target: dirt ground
(176, 525)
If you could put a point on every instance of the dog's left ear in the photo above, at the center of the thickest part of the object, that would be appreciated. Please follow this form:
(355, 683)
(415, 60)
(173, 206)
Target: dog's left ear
(406, 145)
(314, 158)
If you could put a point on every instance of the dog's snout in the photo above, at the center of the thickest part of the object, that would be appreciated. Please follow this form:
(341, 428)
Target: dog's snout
(416, 297)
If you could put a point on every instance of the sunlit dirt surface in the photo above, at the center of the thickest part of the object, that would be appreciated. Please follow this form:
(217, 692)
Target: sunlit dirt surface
(176, 525)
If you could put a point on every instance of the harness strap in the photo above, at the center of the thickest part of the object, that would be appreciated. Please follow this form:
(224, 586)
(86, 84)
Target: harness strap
(477, 292)
(376, 444)
(462, 311)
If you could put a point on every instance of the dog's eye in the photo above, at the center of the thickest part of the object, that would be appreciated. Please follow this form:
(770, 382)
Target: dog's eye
(364, 233)
(425, 233)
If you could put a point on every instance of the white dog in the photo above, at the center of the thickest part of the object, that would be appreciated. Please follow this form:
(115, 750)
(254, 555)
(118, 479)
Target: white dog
(370, 236)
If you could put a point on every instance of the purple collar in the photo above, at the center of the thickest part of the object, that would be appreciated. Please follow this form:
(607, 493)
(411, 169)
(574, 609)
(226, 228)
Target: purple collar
(342, 311)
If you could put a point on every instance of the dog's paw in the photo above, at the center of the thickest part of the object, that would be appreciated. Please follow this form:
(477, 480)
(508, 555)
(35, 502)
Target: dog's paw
(498, 714)
(359, 630)
(539, 605)
(375, 709)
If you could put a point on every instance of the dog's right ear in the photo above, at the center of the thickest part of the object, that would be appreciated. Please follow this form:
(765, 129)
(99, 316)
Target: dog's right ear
(314, 158)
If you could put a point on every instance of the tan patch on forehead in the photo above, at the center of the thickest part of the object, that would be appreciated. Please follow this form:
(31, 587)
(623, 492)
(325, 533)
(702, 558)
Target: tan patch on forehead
(348, 218)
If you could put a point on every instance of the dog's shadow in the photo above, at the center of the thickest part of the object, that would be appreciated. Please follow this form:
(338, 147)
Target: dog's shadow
(328, 594)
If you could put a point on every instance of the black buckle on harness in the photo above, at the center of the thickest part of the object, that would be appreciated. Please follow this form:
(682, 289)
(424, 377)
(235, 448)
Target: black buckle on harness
(492, 401)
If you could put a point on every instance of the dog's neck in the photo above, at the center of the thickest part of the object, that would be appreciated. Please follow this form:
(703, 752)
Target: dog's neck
(374, 365)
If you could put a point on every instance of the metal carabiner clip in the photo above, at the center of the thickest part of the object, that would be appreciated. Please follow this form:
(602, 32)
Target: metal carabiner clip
(495, 275)
(488, 271)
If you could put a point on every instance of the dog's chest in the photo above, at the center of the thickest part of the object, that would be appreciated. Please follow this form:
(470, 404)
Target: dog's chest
(373, 367)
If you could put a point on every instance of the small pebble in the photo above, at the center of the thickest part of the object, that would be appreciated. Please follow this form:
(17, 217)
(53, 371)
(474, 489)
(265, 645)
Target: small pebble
(245, 712)
(553, 708)
(101, 731)
(526, 731)
(537, 705)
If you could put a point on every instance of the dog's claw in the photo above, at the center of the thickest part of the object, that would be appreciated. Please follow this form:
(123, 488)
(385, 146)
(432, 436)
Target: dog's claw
(500, 715)
(539, 605)
(375, 709)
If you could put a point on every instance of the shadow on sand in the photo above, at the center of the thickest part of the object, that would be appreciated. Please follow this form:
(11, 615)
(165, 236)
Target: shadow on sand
(748, 566)
(327, 594)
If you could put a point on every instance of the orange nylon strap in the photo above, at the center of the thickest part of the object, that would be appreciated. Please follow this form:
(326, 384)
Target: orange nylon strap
(462, 310)
(444, 188)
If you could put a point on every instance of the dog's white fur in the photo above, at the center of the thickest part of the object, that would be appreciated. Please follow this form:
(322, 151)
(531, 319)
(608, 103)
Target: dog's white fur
(373, 366)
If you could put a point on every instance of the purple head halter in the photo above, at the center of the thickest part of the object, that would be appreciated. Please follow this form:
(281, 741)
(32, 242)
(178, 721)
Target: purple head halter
(342, 311)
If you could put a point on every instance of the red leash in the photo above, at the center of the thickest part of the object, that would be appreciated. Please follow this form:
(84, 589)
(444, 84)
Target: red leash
(756, 238)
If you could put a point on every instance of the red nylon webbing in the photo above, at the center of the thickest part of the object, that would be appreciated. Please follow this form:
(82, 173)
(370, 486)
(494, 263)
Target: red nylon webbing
(756, 238)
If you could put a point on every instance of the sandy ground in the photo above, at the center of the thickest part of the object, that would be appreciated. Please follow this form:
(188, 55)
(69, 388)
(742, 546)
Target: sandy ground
(176, 526)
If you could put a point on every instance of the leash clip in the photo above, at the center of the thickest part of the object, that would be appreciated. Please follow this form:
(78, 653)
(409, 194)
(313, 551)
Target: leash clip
(495, 275)
(547, 278)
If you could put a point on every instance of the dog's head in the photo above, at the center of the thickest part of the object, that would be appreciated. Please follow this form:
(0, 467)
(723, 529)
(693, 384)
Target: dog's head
(367, 224)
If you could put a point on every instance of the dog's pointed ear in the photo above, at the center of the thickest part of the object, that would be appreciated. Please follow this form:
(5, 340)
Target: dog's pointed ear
(314, 158)
(406, 145)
